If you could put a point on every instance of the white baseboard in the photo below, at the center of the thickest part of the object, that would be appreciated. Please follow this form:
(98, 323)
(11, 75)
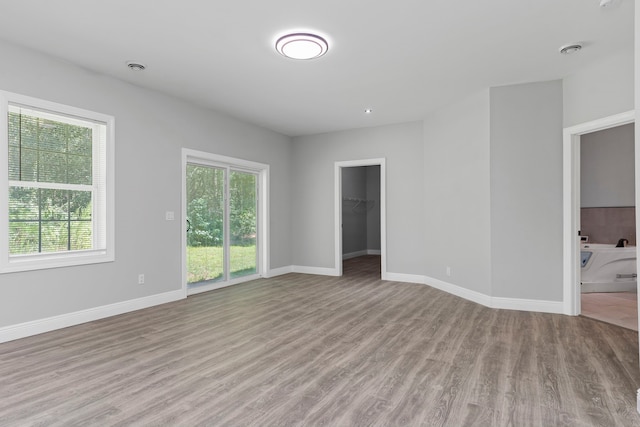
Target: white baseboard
(638, 400)
(35, 327)
(402, 277)
(361, 253)
(556, 307)
(315, 270)
(458, 291)
(354, 254)
(275, 272)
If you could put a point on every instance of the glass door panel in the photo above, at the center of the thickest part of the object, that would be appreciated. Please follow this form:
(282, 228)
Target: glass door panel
(206, 218)
(243, 223)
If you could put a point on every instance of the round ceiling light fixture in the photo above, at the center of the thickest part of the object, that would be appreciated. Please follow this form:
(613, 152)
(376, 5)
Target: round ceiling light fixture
(570, 48)
(302, 46)
(136, 66)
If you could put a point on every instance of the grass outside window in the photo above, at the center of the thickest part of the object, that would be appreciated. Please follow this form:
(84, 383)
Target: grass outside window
(205, 263)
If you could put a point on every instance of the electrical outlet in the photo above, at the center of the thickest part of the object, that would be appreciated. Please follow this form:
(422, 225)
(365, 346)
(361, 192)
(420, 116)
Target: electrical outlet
(140, 279)
(448, 271)
(169, 215)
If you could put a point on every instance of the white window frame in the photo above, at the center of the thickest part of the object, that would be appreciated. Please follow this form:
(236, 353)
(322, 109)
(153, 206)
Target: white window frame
(103, 188)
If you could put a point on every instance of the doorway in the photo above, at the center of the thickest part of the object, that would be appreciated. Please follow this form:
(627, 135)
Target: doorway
(225, 229)
(360, 215)
(572, 246)
(361, 221)
(607, 224)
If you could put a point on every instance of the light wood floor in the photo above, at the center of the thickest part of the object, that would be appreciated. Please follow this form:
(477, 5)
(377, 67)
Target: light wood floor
(308, 350)
(619, 308)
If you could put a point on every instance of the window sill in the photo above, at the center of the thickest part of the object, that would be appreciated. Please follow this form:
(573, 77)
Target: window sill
(41, 262)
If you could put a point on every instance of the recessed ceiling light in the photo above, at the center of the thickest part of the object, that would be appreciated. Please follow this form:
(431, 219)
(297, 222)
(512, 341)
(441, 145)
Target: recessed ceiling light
(136, 66)
(368, 110)
(570, 48)
(302, 46)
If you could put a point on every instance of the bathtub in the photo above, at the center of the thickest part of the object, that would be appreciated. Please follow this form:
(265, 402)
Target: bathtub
(606, 268)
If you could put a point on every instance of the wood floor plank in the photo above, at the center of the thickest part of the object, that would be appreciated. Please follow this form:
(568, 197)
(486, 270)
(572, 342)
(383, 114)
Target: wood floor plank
(305, 350)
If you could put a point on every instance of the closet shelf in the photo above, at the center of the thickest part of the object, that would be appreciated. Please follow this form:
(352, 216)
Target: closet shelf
(359, 205)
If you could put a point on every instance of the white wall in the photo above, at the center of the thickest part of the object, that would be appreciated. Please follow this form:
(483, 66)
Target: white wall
(599, 90)
(314, 159)
(151, 129)
(607, 168)
(526, 191)
(457, 194)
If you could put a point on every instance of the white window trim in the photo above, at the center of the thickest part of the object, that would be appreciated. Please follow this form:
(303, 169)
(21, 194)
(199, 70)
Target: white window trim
(17, 263)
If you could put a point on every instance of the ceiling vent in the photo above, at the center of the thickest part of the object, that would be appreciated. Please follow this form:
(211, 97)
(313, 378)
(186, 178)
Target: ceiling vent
(136, 66)
(570, 48)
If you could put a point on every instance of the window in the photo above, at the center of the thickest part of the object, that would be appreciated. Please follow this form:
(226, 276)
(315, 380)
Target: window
(57, 185)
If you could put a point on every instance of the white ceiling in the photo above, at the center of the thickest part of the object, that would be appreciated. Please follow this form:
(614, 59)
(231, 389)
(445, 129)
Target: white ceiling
(403, 58)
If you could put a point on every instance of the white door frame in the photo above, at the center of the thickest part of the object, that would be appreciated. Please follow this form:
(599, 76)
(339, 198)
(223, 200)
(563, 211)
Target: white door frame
(202, 157)
(338, 210)
(571, 202)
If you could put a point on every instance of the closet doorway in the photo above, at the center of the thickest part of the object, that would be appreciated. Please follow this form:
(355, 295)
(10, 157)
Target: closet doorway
(360, 218)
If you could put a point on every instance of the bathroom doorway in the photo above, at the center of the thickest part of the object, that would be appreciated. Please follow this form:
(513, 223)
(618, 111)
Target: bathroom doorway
(572, 257)
(608, 273)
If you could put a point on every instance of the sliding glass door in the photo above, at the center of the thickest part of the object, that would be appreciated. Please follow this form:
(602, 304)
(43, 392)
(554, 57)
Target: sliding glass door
(222, 223)
(243, 223)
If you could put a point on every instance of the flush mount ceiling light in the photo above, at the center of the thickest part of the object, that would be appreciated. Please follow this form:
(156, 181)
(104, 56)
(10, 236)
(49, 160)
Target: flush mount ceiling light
(570, 48)
(368, 110)
(135, 66)
(302, 46)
